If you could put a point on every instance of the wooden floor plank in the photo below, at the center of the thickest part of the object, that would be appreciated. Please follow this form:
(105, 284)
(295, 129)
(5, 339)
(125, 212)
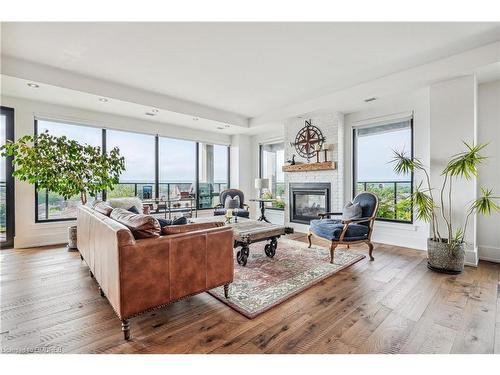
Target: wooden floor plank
(395, 304)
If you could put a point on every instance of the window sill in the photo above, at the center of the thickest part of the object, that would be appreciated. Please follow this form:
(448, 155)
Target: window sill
(411, 227)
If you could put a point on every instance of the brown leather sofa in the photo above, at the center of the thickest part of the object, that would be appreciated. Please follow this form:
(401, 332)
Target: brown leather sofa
(138, 275)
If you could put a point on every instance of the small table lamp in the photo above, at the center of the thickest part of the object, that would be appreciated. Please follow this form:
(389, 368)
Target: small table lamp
(261, 183)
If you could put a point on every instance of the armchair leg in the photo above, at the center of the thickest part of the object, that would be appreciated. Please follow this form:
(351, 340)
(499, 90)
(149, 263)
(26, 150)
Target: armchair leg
(370, 251)
(332, 251)
(309, 239)
(126, 329)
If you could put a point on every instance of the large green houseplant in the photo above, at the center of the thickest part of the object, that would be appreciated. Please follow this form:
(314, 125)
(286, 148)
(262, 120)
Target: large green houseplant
(446, 250)
(64, 166)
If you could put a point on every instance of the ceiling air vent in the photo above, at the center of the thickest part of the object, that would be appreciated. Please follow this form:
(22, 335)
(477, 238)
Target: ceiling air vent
(370, 99)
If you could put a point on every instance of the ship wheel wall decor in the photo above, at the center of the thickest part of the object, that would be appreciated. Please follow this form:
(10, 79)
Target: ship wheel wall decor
(306, 140)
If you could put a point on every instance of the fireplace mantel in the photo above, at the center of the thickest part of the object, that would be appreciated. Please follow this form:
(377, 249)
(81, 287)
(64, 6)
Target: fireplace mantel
(309, 167)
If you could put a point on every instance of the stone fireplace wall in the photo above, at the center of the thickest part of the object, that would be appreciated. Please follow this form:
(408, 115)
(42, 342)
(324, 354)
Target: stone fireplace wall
(332, 127)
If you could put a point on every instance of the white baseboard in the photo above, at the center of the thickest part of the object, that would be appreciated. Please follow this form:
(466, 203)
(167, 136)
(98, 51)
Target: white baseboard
(471, 257)
(489, 253)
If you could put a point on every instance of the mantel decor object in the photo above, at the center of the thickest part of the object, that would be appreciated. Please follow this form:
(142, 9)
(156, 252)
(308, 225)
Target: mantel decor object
(307, 140)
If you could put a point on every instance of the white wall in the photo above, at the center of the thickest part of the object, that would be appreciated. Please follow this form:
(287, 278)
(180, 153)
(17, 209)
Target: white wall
(29, 233)
(453, 105)
(406, 235)
(488, 233)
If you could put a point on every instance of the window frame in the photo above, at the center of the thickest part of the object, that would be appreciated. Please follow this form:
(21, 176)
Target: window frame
(10, 186)
(354, 172)
(261, 169)
(156, 158)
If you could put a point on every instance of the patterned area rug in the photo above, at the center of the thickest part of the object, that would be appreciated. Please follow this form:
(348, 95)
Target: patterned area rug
(264, 282)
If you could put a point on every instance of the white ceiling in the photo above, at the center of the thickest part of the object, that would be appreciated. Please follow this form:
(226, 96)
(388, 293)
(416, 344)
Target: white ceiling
(244, 68)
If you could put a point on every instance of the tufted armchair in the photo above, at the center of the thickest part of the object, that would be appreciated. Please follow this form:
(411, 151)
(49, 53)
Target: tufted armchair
(347, 232)
(220, 209)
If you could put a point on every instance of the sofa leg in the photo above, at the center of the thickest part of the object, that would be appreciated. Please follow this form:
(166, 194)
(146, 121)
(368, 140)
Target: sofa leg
(81, 257)
(126, 329)
(91, 274)
(370, 251)
(309, 239)
(101, 292)
(226, 291)
(332, 251)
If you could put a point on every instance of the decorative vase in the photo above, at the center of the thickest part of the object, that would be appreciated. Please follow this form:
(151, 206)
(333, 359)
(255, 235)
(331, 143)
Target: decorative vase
(72, 244)
(443, 259)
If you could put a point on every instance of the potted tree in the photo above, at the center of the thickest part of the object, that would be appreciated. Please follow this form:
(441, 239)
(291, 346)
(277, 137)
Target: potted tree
(446, 250)
(65, 167)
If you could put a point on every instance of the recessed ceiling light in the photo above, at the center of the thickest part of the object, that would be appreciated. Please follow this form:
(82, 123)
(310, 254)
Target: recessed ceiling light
(33, 85)
(195, 118)
(227, 126)
(104, 100)
(154, 110)
(150, 114)
(370, 99)
(300, 117)
(220, 128)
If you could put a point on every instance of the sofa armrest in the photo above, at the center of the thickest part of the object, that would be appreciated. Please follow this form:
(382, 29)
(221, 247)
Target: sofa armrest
(192, 227)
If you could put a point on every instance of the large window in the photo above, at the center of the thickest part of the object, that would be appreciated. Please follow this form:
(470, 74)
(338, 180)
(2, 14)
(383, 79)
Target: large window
(138, 179)
(177, 166)
(49, 205)
(373, 170)
(213, 173)
(155, 167)
(272, 158)
(6, 181)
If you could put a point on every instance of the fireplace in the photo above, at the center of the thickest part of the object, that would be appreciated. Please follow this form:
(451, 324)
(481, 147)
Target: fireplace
(307, 200)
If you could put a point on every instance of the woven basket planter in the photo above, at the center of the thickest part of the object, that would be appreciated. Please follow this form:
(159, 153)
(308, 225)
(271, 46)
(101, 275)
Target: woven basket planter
(443, 259)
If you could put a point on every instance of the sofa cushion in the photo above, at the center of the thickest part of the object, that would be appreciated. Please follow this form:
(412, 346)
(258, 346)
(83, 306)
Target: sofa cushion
(134, 210)
(231, 203)
(141, 226)
(352, 211)
(331, 229)
(175, 229)
(102, 208)
(126, 203)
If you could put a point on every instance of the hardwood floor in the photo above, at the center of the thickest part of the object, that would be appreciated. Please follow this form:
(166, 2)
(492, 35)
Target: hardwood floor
(392, 305)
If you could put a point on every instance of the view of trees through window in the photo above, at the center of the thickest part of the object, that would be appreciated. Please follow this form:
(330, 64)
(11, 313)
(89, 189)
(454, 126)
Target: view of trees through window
(272, 159)
(176, 168)
(373, 152)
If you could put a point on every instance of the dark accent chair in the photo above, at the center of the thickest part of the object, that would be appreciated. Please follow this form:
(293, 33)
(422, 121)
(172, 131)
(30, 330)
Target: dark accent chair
(347, 232)
(242, 210)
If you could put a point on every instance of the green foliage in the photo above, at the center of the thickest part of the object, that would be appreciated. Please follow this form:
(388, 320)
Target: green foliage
(424, 204)
(462, 165)
(465, 163)
(64, 166)
(486, 203)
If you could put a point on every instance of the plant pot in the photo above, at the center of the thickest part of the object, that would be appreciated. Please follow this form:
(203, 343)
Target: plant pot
(443, 259)
(72, 244)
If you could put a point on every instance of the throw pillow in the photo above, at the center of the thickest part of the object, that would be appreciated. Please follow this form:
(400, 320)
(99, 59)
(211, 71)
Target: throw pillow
(102, 208)
(141, 226)
(190, 227)
(352, 211)
(134, 210)
(178, 221)
(231, 203)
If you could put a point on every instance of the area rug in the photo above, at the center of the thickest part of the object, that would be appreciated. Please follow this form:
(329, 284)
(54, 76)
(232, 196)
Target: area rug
(264, 282)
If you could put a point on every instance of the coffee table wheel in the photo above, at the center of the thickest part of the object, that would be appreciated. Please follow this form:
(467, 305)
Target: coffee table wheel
(270, 250)
(241, 257)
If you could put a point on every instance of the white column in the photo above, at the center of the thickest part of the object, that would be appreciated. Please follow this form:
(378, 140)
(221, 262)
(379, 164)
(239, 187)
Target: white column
(453, 115)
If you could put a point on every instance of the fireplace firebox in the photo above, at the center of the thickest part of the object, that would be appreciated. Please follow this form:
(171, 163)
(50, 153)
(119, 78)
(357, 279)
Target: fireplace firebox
(307, 200)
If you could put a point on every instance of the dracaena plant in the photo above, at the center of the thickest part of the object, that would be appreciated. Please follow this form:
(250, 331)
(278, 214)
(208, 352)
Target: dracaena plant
(461, 166)
(64, 166)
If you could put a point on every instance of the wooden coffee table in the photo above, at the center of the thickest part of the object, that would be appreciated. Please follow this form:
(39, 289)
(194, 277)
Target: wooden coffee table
(251, 231)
